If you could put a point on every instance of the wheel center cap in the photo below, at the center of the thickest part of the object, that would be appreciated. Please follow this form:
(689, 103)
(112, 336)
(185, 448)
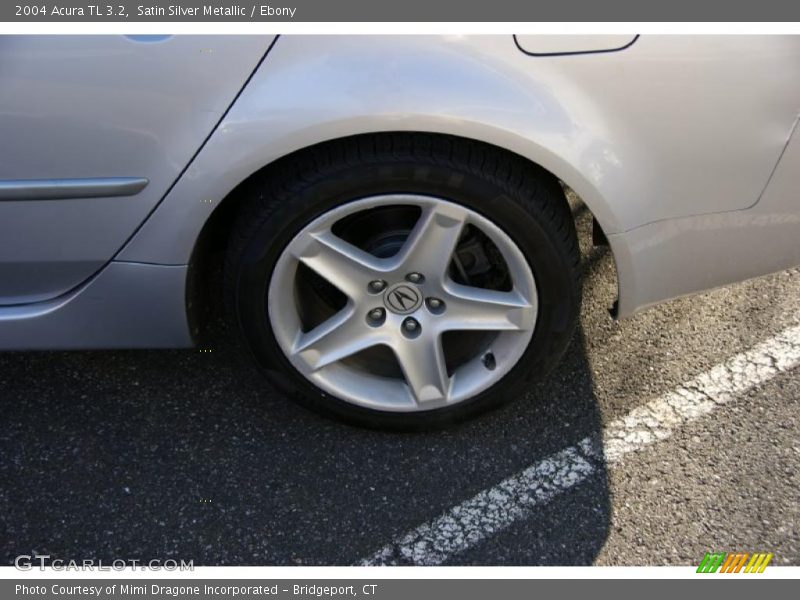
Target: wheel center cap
(402, 298)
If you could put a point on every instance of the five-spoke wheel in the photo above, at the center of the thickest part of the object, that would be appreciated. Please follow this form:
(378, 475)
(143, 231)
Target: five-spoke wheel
(403, 280)
(405, 302)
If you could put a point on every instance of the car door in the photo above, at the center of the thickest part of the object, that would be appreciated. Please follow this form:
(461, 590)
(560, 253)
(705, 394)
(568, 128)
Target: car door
(93, 132)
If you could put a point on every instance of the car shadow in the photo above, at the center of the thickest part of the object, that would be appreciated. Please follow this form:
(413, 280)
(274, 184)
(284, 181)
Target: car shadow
(189, 455)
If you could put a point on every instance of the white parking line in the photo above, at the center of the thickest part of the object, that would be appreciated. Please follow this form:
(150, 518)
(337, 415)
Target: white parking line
(496, 508)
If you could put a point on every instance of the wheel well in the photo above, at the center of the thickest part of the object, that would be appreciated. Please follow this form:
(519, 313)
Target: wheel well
(204, 283)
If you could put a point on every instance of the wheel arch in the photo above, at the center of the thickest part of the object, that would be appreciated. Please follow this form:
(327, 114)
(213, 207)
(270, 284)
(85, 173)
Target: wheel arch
(212, 239)
(224, 210)
(317, 90)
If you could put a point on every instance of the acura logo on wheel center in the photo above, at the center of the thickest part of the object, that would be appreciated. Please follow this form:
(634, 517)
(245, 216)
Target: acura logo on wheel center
(402, 298)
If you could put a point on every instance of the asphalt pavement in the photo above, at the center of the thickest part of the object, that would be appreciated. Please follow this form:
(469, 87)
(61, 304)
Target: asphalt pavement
(190, 455)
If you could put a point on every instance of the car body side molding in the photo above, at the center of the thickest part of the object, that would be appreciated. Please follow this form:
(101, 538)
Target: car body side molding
(62, 189)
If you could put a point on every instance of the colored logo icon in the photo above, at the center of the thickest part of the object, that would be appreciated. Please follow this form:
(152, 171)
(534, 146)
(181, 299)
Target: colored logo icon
(734, 562)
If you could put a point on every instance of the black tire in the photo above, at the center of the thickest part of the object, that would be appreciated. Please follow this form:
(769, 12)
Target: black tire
(524, 200)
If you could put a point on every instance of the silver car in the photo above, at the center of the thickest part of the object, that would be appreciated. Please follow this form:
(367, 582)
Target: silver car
(389, 211)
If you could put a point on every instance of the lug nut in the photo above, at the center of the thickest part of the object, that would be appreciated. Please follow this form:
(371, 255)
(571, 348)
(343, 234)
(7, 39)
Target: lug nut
(376, 317)
(415, 277)
(411, 328)
(377, 286)
(435, 305)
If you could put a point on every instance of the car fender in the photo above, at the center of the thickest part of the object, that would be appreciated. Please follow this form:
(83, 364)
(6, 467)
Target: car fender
(643, 135)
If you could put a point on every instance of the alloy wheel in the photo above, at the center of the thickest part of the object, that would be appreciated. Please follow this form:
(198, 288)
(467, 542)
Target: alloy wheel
(370, 318)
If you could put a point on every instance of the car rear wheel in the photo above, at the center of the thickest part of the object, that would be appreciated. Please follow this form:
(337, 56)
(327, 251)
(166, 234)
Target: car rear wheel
(404, 281)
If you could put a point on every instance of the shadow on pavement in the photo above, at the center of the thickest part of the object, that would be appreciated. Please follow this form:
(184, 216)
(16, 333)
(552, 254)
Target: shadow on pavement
(189, 455)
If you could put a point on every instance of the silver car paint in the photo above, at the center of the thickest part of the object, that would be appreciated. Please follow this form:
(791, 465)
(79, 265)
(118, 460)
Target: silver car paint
(671, 143)
(673, 126)
(99, 107)
(126, 305)
(677, 257)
